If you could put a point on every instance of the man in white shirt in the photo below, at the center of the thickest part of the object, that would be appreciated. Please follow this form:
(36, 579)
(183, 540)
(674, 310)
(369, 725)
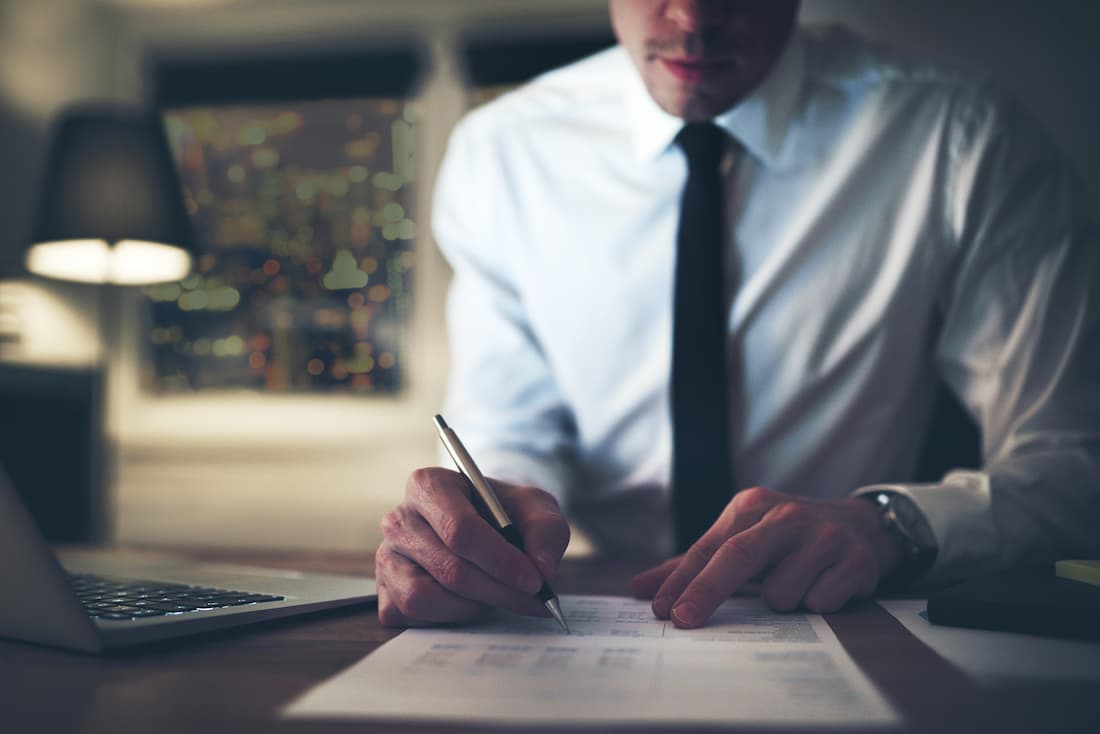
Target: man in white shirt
(887, 227)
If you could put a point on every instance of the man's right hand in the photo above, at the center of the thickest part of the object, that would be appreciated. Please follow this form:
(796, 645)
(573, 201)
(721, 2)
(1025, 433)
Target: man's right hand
(441, 561)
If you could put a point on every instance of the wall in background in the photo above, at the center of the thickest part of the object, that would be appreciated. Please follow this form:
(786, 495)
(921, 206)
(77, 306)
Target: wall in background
(52, 52)
(254, 470)
(1045, 53)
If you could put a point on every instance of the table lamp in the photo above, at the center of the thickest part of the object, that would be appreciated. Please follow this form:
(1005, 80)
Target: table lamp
(112, 208)
(111, 213)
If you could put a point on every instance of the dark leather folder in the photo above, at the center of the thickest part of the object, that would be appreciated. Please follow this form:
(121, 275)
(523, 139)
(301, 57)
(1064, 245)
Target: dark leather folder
(1034, 601)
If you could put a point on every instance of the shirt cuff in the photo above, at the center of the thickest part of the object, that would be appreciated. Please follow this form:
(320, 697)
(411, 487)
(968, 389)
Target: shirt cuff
(959, 512)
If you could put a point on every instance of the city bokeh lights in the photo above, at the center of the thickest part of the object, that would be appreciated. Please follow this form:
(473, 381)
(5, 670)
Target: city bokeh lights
(304, 217)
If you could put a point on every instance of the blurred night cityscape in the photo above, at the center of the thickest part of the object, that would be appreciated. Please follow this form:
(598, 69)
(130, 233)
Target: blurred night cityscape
(303, 213)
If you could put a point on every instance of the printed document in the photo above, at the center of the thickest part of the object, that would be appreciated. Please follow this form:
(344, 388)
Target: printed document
(747, 665)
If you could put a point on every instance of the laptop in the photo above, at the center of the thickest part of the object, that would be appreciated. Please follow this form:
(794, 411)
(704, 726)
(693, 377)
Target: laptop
(94, 601)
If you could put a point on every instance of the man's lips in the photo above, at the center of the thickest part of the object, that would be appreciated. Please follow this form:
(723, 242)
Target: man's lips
(693, 70)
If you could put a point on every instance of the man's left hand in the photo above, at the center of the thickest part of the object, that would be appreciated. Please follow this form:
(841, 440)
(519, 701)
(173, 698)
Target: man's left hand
(820, 554)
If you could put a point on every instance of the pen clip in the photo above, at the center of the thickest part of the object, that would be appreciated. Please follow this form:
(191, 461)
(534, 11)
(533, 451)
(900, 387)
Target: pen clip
(468, 469)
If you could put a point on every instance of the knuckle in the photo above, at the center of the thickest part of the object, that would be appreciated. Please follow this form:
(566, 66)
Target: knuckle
(381, 560)
(737, 551)
(543, 497)
(418, 480)
(552, 526)
(385, 562)
(457, 534)
(389, 615)
(533, 504)
(417, 600)
(392, 523)
(789, 512)
(450, 572)
(704, 549)
(753, 498)
(386, 614)
(831, 537)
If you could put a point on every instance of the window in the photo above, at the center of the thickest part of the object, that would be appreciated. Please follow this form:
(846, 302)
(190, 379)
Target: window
(494, 66)
(299, 182)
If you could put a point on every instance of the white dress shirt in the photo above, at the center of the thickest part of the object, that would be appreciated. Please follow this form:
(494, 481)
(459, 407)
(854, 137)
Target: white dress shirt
(890, 226)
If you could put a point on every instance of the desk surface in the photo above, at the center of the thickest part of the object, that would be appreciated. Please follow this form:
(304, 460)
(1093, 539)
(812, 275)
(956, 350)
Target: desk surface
(235, 681)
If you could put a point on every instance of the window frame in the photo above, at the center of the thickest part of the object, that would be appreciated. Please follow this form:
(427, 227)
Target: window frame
(143, 420)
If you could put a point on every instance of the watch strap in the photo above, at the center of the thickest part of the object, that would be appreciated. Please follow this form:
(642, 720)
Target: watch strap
(902, 523)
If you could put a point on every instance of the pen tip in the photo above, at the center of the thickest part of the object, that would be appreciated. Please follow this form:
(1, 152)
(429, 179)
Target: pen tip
(555, 612)
(439, 422)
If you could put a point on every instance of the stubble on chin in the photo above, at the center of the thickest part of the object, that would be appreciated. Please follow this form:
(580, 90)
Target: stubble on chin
(692, 103)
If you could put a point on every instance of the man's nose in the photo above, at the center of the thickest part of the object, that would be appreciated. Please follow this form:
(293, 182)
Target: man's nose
(693, 16)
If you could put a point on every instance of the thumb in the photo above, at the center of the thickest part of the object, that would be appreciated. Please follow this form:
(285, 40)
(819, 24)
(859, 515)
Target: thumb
(542, 526)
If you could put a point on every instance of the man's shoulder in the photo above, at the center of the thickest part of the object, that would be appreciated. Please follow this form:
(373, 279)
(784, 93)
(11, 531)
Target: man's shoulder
(839, 61)
(838, 57)
(584, 93)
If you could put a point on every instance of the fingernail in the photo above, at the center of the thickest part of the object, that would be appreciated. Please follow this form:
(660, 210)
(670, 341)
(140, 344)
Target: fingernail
(661, 605)
(685, 613)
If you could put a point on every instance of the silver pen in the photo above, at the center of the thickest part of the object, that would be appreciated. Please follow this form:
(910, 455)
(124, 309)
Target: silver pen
(466, 465)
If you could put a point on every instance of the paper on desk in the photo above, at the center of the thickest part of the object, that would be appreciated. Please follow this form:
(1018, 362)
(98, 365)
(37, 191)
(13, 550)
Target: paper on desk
(748, 665)
(992, 657)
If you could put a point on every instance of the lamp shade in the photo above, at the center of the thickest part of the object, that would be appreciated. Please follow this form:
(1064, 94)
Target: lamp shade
(112, 208)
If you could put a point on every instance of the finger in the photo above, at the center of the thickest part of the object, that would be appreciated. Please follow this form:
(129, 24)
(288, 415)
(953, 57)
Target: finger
(855, 577)
(544, 530)
(785, 586)
(411, 537)
(409, 597)
(645, 584)
(734, 563)
(388, 613)
(744, 511)
(443, 499)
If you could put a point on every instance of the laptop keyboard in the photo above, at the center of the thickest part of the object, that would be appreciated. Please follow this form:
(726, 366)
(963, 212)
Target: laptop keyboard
(119, 599)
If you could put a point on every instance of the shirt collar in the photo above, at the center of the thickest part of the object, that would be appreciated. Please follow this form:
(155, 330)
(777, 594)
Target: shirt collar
(760, 122)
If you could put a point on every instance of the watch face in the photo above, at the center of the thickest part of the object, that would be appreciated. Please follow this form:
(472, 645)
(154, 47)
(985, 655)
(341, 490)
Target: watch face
(912, 519)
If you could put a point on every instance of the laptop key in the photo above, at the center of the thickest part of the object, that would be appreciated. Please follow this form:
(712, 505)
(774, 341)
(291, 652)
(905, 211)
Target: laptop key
(171, 608)
(120, 600)
(142, 613)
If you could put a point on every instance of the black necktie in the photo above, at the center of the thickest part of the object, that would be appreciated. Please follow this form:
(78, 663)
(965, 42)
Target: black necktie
(702, 473)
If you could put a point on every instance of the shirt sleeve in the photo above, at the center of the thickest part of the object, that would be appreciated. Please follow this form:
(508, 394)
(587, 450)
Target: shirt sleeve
(502, 398)
(1020, 346)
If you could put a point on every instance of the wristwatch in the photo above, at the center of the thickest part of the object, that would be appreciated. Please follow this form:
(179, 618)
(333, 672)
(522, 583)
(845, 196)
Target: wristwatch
(907, 525)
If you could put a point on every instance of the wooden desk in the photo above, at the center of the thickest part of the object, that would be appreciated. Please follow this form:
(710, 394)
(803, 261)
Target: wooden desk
(235, 681)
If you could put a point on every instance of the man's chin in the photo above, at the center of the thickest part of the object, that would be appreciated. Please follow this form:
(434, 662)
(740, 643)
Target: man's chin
(693, 105)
